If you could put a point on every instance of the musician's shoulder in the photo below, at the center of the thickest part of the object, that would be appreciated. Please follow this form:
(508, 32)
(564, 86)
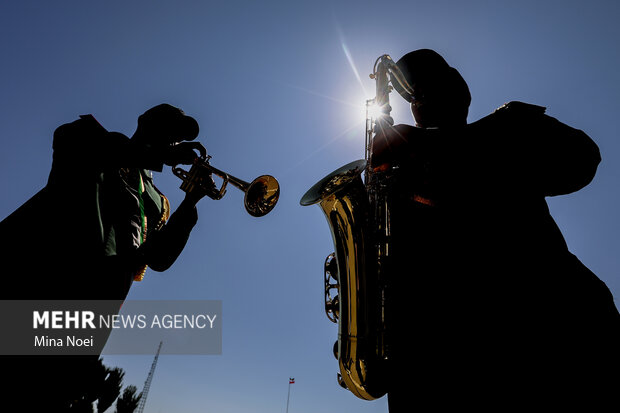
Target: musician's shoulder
(404, 128)
(508, 115)
(520, 108)
(396, 131)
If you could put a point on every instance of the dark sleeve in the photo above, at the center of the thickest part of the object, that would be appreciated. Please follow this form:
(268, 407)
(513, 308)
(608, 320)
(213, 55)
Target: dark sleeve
(565, 159)
(536, 152)
(517, 148)
(163, 247)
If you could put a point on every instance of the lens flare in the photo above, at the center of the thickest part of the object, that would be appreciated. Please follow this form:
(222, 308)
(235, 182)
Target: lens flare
(373, 110)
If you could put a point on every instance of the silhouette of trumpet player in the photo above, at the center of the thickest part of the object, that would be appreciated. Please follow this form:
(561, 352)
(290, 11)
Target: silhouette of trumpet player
(100, 220)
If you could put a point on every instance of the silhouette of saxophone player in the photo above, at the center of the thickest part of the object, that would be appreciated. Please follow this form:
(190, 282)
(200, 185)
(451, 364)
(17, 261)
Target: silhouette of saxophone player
(489, 308)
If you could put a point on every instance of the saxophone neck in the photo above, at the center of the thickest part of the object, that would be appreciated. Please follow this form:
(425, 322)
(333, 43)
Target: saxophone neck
(378, 109)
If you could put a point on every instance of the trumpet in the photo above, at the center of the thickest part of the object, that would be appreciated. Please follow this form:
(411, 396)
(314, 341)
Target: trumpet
(261, 195)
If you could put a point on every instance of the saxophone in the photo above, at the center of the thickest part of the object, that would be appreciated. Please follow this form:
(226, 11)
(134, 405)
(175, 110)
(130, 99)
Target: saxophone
(356, 275)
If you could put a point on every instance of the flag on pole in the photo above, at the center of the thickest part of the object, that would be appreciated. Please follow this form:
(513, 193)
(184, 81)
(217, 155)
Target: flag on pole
(291, 380)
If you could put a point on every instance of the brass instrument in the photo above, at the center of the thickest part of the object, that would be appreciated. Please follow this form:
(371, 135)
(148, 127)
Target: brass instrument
(261, 195)
(358, 214)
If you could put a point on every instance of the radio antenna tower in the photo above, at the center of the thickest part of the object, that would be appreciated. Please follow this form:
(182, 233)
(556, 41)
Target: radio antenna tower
(147, 383)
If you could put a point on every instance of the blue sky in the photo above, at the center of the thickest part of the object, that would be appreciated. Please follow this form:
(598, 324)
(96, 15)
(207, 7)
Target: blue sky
(273, 91)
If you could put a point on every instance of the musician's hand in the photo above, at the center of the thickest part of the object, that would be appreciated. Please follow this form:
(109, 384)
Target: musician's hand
(182, 153)
(207, 187)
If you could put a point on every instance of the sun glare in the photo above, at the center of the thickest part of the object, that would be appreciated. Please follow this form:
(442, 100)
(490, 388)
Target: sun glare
(373, 110)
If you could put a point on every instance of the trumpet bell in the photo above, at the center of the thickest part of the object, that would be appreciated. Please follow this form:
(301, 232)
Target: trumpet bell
(261, 195)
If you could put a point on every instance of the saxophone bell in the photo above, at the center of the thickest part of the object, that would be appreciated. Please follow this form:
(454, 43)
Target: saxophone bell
(349, 272)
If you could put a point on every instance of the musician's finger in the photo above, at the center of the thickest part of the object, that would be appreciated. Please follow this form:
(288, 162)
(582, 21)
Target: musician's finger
(199, 147)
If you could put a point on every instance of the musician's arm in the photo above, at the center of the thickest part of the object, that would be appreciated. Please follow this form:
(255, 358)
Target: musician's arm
(553, 157)
(163, 247)
(568, 158)
(517, 148)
